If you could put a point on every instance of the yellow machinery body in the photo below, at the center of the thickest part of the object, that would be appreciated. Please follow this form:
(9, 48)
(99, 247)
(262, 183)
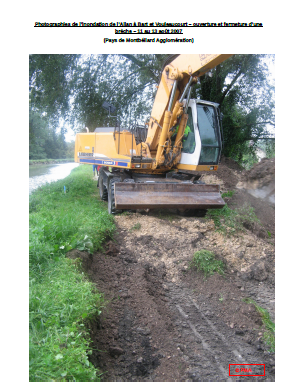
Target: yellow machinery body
(137, 174)
(103, 150)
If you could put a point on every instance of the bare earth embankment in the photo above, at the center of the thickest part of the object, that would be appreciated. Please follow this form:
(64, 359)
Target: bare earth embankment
(164, 321)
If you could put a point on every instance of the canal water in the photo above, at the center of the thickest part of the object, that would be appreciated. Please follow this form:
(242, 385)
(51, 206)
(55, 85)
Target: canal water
(41, 174)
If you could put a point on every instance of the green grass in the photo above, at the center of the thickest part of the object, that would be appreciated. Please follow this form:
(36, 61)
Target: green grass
(229, 221)
(230, 193)
(47, 161)
(269, 333)
(62, 299)
(205, 262)
(136, 227)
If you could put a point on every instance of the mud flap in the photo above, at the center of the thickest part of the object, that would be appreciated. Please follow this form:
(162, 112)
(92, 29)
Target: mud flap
(166, 195)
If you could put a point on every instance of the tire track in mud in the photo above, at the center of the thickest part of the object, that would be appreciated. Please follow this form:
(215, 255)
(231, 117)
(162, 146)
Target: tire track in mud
(162, 322)
(206, 347)
(217, 346)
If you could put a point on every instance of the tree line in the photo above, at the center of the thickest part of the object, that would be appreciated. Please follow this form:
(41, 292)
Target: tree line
(72, 88)
(45, 141)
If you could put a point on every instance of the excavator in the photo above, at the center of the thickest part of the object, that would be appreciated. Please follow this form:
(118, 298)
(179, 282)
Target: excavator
(160, 166)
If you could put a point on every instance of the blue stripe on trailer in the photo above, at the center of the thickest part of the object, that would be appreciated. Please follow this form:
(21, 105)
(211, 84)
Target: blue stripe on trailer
(87, 160)
(101, 162)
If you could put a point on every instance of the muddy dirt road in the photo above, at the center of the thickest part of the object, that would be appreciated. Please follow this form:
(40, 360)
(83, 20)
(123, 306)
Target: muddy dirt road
(164, 321)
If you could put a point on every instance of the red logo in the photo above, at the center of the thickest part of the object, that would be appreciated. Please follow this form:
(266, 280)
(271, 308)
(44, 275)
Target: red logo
(253, 369)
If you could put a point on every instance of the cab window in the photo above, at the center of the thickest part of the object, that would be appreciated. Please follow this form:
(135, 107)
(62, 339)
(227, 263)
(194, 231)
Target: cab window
(208, 129)
(189, 142)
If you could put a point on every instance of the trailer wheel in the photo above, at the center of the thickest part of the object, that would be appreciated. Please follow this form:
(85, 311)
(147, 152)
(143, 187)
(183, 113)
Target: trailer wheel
(111, 198)
(103, 192)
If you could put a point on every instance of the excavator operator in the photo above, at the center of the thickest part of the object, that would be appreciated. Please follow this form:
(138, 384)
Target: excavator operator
(188, 139)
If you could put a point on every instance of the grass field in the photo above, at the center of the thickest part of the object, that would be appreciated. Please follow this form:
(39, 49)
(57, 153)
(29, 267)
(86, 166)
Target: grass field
(61, 297)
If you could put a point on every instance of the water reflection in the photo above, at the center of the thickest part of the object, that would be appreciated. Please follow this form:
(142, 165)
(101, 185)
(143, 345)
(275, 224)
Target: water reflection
(41, 174)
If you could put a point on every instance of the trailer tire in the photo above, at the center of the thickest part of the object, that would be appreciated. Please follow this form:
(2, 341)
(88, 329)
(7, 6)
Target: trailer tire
(111, 197)
(103, 192)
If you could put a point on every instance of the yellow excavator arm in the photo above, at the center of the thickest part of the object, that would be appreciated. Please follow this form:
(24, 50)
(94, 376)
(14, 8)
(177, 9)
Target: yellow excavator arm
(177, 77)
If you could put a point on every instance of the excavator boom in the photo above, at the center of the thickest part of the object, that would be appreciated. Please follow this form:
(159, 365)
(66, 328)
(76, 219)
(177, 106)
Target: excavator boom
(180, 69)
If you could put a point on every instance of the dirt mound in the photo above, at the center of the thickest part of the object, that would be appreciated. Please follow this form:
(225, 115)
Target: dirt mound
(231, 164)
(260, 180)
(227, 176)
(254, 188)
(264, 172)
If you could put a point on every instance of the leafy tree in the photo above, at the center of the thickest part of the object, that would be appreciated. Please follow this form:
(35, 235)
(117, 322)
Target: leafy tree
(240, 85)
(37, 135)
(70, 152)
(50, 86)
(126, 81)
(44, 142)
(50, 82)
(268, 146)
(90, 84)
(74, 87)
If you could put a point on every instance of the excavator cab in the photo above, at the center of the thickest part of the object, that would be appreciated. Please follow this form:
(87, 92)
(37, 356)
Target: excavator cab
(203, 144)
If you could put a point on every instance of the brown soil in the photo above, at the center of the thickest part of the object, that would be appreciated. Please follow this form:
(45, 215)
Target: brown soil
(163, 322)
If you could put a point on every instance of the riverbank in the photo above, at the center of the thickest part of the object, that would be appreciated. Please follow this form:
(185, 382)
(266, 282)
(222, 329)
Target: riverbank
(40, 174)
(62, 300)
(50, 161)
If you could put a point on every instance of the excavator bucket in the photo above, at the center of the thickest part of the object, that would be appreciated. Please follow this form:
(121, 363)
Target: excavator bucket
(167, 195)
